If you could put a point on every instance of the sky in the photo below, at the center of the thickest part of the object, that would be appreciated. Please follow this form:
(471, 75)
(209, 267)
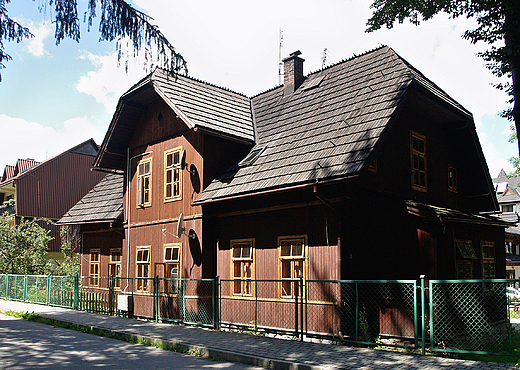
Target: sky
(55, 97)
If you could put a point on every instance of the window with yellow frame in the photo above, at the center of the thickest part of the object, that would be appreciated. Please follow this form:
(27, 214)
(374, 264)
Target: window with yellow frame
(94, 267)
(144, 183)
(292, 251)
(418, 161)
(172, 264)
(142, 269)
(114, 267)
(173, 175)
(242, 266)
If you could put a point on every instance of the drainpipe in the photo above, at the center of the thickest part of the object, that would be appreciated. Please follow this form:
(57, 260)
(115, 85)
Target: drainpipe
(128, 192)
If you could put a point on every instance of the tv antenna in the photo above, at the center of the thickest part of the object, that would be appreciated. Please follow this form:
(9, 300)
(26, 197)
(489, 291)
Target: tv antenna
(324, 58)
(280, 64)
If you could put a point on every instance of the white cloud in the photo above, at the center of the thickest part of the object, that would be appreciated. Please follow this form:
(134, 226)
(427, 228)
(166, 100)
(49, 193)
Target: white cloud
(22, 139)
(35, 45)
(108, 81)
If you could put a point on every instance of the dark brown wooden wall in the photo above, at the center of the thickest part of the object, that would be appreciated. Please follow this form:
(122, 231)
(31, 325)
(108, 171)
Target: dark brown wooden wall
(265, 227)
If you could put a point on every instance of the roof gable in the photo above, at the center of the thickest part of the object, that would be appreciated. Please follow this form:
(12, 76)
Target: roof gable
(198, 104)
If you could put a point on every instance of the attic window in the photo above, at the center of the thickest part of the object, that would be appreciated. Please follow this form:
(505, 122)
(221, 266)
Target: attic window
(312, 83)
(251, 157)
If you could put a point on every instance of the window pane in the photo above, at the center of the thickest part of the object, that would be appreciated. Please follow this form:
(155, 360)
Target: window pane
(285, 249)
(175, 254)
(246, 251)
(236, 270)
(247, 270)
(236, 252)
(298, 250)
(298, 269)
(176, 157)
(286, 269)
(168, 254)
(169, 158)
(287, 288)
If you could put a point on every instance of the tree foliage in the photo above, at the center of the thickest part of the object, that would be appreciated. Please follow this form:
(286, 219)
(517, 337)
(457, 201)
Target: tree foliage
(23, 247)
(118, 20)
(498, 25)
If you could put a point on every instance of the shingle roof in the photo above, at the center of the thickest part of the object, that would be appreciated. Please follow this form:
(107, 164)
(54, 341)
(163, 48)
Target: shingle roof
(327, 128)
(104, 203)
(205, 105)
(198, 104)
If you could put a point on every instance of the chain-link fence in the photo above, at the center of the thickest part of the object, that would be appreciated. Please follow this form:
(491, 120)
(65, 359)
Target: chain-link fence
(478, 316)
(473, 316)
(43, 289)
(260, 305)
(190, 301)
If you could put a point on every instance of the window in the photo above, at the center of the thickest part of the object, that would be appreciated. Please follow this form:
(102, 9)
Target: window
(452, 178)
(172, 263)
(373, 166)
(94, 267)
(144, 183)
(418, 159)
(252, 156)
(114, 267)
(292, 263)
(172, 175)
(242, 266)
(464, 270)
(507, 208)
(142, 269)
(488, 259)
(465, 254)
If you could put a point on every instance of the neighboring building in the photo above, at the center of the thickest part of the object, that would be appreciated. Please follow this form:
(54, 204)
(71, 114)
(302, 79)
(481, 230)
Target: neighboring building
(99, 214)
(49, 188)
(363, 170)
(508, 196)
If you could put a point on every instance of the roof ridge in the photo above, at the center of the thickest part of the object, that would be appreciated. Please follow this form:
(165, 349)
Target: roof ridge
(354, 56)
(203, 82)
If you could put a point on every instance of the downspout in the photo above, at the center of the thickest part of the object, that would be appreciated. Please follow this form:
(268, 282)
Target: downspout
(128, 194)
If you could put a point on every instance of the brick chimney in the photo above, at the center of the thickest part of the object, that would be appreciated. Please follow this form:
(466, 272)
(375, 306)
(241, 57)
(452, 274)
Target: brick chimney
(293, 73)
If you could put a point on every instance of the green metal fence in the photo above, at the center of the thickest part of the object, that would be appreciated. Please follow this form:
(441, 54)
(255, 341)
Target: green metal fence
(473, 316)
(469, 316)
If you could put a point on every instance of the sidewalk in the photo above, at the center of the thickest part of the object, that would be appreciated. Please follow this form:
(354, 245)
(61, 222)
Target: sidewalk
(250, 349)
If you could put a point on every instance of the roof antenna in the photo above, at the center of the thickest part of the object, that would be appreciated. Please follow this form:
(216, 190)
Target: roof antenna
(280, 64)
(324, 58)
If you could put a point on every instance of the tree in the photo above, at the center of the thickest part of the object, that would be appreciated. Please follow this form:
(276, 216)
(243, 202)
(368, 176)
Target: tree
(497, 20)
(118, 20)
(23, 246)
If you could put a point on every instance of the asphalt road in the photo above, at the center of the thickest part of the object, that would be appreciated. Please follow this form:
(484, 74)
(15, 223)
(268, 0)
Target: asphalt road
(30, 345)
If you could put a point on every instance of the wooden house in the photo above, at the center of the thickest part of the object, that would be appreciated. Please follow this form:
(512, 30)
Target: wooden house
(363, 170)
(508, 195)
(50, 188)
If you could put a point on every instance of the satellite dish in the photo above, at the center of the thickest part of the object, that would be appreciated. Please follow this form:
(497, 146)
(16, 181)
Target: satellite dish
(180, 228)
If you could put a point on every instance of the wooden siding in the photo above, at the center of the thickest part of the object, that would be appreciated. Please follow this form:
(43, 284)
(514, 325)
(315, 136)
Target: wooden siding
(54, 187)
(323, 260)
(104, 240)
